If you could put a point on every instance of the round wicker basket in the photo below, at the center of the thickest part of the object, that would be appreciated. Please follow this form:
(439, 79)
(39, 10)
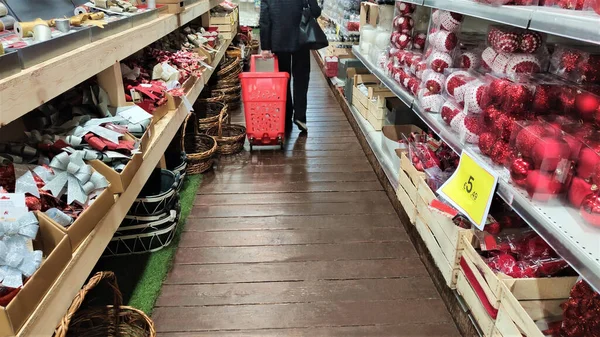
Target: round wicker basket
(211, 110)
(104, 321)
(199, 148)
(230, 138)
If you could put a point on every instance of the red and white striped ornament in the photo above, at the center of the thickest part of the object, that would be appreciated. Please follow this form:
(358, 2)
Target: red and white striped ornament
(523, 64)
(488, 56)
(445, 41)
(500, 63)
(440, 61)
(507, 43)
(450, 21)
(434, 82)
(530, 42)
(469, 60)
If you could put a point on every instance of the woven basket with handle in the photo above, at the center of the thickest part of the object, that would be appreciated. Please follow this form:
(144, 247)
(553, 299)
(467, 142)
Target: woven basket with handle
(104, 321)
(211, 110)
(199, 148)
(230, 138)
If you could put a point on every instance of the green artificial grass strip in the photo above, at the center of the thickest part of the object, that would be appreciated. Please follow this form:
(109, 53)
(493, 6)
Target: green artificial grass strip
(159, 263)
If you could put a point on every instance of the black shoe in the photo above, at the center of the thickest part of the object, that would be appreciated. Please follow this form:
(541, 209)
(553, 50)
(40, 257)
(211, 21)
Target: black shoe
(301, 126)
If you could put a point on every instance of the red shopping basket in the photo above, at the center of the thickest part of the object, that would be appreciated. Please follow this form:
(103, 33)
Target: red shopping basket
(264, 95)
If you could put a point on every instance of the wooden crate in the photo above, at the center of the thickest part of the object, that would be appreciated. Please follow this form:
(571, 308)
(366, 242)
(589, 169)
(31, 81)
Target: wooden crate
(517, 318)
(449, 238)
(407, 190)
(523, 289)
(359, 100)
(448, 272)
(376, 123)
(485, 322)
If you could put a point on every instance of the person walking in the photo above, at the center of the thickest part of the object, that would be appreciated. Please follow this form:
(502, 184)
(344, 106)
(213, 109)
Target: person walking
(279, 32)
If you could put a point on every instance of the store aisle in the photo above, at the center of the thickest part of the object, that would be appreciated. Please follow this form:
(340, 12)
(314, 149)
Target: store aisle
(299, 243)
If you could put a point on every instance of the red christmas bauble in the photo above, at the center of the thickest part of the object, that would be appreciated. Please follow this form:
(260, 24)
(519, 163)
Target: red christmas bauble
(587, 105)
(519, 170)
(497, 90)
(595, 4)
(405, 8)
(403, 24)
(588, 159)
(578, 190)
(571, 4)
(504, 126)
(472, 128)
(500, 153)
(488, 57)
(567, 97)
(486, 142)
(548, 152)
(590, 209)
(569, 60)
(542, 186)
(523, 64)
(469, 60)
(456, 80)
(490, 114)
(518, 100)
(541, 100)
(419, 41)
(530, 42)
(450, 21)
(528, 137)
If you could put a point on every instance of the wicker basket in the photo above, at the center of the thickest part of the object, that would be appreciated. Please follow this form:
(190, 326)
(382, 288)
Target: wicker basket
(104, 321)
(230, 66)
(230, 138)
(199, 149)
(212, 111)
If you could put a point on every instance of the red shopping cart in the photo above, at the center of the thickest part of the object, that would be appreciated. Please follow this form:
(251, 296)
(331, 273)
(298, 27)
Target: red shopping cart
(264, 96)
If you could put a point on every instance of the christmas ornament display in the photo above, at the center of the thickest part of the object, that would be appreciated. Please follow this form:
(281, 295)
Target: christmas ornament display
(579, 64)
(580, 312)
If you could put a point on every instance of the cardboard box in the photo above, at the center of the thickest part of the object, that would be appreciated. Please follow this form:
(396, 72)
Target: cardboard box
(341, 53)
(89, 218)
(370, 13)
(57, 252)
(391, 137)
(120, 181)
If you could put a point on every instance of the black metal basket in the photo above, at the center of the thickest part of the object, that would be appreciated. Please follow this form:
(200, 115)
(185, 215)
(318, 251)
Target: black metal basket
(157, 194)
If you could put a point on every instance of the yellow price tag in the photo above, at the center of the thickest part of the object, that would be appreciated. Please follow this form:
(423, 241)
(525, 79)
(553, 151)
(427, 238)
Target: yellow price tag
(471, 188)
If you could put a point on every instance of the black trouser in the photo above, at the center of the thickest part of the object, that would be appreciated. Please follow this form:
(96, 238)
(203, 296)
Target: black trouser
(297, 64)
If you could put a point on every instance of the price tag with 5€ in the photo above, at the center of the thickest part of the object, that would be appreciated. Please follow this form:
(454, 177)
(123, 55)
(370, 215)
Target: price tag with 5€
(471, 188)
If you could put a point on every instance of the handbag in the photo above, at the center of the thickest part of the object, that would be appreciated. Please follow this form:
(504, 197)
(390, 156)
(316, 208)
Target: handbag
(311, 34)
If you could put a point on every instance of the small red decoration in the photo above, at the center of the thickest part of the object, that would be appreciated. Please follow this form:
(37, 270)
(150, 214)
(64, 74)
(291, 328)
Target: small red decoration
(519, 170)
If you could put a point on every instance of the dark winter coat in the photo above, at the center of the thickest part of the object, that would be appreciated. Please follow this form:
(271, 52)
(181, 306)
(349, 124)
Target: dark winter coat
(280, 23)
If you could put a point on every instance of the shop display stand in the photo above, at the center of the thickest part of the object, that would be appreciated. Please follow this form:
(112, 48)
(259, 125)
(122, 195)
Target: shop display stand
(576, 25)
(50, 79)
(573, 241)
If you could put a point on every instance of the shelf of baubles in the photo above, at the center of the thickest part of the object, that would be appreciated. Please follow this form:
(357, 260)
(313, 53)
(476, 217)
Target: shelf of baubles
(577, 25)
(560, 225)
(54, 305)
(31, 87)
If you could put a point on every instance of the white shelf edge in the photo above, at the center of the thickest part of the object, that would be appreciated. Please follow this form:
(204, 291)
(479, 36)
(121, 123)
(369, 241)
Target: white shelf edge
(573, 241)
(577, 25)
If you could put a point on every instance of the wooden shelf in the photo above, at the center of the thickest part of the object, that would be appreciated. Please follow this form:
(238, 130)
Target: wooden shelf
(52, 308)
(58, 299)
(32, 87)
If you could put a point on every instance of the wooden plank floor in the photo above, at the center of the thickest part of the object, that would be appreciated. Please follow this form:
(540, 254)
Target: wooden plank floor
(300, 242)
